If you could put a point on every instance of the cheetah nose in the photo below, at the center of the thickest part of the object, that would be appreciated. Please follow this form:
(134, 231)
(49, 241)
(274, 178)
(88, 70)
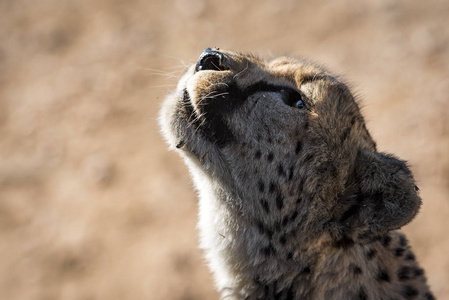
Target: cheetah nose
(211, 60)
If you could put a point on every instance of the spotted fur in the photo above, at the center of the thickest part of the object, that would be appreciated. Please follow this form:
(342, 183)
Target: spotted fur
(295, 200)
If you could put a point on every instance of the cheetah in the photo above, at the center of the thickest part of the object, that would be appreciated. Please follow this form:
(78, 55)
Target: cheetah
(295, 200)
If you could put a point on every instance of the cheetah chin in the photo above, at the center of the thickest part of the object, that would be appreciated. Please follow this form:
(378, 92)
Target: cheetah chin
(295, 200)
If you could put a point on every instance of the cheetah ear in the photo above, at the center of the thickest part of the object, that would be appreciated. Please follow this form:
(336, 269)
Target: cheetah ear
(385, 198)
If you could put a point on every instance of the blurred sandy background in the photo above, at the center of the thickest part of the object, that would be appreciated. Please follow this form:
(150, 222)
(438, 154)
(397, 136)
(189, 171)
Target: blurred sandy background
(93, 206)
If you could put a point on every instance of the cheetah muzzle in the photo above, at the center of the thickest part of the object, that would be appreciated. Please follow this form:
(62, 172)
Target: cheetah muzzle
(295, 201)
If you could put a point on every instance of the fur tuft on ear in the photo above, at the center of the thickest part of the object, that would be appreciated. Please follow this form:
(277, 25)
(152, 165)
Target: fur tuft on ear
(381, 196)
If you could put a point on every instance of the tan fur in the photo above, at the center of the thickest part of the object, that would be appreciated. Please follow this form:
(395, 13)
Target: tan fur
(295, 201)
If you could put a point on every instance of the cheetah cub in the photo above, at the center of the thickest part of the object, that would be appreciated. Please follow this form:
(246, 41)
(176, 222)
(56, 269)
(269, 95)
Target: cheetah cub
(295, 201)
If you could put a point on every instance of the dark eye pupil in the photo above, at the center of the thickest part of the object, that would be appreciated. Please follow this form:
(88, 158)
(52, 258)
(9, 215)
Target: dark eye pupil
(292, 98)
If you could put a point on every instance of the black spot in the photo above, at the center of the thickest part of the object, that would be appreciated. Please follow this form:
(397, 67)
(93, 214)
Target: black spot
(294, 216)
(281, 171)
(270, 140)
(416, 188)
(261, 186)
(306, 270)
(301, 185)
(289, 256)
(386, 241)
(353, 120)
(409, 292)
(418, 272)
(383, 276)
(410, 256)
(279, 202)
(298, 147)
(285, 221)
(258, 154)
(404, 273)
(269, 250)
(429, 296)
(266, 290)
(402, 241)
(362, 294)
(399, 252)
(264, 230)
(306, 125)
(345, 243)
(356, 270)
(345, 134)
(290, 174)
(272, 187)
(265, 205)
(371, 254)
(298, 200)
(270, 156)
(260, 227)
(283, 239)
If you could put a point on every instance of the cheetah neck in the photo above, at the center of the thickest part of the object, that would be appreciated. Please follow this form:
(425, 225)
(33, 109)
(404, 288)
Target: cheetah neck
(249, 263)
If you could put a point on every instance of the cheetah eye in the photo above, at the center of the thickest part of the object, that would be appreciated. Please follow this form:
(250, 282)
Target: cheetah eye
(292, 98)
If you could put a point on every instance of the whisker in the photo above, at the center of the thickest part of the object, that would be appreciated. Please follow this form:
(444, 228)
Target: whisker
(241, 72)
(163, 86)
(173, 74)
(182, 61)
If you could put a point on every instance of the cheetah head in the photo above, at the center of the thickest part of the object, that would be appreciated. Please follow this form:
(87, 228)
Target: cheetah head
(283, 143)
